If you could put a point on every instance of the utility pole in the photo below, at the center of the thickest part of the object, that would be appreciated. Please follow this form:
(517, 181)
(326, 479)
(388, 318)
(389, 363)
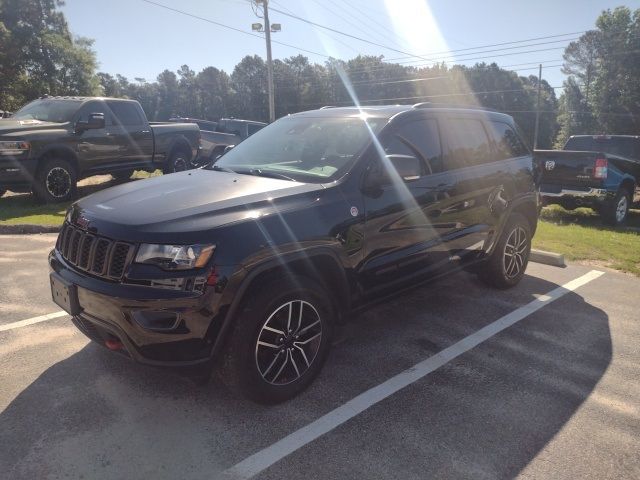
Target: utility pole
(535, 135)
(268, 30)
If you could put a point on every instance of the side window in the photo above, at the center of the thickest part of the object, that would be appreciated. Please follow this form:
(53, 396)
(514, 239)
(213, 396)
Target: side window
(94, 107)
(420, 139)
(125, 113)
(467, 143)
(252, 128)
(506, 141)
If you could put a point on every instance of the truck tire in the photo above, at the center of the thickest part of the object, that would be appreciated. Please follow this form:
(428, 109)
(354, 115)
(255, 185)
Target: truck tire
(616, 212)
(122, 174)
(508, 262)
(56, 181)
(280, 341)
(178, 161)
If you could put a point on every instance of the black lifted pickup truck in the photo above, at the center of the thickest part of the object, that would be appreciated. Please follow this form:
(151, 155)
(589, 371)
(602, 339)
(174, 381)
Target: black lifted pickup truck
(600, 172)
(253, 260)
(52, 142)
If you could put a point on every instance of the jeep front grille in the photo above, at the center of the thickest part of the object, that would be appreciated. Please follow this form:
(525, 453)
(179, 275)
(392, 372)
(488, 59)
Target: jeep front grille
(94, 254)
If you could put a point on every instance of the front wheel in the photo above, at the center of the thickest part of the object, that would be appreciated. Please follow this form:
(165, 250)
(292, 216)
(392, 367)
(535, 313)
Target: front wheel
(55, 181)
(178, 161)
(508, 262)
(616, 213)
(280, 342)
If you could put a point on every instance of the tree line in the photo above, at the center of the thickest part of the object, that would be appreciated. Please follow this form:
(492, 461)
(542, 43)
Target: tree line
(39, 55)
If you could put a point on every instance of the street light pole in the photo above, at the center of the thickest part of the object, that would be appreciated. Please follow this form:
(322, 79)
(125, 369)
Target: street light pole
(535, 134)
(267, 31)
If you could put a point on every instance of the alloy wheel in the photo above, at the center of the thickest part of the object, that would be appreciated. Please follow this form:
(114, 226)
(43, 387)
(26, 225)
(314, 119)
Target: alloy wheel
(288, 342)
(58, 182)
(621, 208)
(515, 251)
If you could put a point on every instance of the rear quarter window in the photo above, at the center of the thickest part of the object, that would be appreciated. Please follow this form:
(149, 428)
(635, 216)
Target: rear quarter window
(506, 141)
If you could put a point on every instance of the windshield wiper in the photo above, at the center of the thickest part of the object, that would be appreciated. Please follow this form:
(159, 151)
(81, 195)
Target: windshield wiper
(270, 174)
(222, 169)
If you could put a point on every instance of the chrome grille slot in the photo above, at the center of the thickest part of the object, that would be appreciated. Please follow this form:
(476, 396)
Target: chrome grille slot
(94, 254)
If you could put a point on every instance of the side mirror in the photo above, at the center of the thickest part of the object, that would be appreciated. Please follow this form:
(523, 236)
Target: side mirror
(407, 166)
(94, 122)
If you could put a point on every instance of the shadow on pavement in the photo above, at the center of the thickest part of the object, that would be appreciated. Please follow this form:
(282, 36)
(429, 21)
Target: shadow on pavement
(486, 414)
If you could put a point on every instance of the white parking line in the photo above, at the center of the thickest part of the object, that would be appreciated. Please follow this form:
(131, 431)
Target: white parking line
(31, 321)
(263, 459)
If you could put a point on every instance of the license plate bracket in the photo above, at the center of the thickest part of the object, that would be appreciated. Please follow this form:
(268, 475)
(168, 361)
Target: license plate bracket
(64, 294)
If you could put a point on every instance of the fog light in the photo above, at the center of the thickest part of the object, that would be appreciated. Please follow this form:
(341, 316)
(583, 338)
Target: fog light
(156, 320)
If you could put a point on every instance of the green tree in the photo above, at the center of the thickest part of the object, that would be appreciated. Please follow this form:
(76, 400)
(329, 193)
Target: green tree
(39, 55)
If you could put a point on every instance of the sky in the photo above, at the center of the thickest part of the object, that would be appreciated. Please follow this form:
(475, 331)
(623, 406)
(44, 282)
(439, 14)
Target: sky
(138, 39)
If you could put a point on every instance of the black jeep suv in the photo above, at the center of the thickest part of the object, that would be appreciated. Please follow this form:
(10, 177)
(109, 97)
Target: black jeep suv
(253, 260)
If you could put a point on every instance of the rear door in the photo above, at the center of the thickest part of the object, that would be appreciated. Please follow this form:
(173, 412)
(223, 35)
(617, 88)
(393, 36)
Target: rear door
(133, 133)
(479, 182)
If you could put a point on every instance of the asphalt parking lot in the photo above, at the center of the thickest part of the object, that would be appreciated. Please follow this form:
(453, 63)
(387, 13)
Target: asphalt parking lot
(554, 395)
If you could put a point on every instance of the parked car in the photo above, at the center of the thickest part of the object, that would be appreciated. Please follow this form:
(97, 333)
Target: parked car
(52, 142)
(600, 172)
(5, 114)
(216, 136)
(250, 263)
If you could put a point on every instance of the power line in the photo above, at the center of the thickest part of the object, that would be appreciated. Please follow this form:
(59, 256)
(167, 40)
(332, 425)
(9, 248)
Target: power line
(315, 24)
(222, 25)
(500, 44)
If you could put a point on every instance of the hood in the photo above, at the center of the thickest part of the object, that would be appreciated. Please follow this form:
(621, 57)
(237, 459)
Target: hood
(10, 125)
(166, 207)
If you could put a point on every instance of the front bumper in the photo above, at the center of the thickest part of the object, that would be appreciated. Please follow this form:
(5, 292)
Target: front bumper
(17, 172)
(108, 311)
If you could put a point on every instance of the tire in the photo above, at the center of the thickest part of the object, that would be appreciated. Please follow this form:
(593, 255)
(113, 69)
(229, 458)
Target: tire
(508, 262)
(616, 212)
(56, 181)
(178, 161)
(122, 174)
(283, 364)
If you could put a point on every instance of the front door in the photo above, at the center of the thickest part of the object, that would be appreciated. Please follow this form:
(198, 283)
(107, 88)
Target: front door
(96, 146)
(406, 223)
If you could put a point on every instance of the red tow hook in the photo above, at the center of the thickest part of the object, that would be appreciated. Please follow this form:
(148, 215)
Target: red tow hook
(113, 344)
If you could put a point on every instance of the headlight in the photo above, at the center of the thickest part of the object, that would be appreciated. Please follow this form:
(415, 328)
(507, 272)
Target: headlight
(14, 147)
(175, 257)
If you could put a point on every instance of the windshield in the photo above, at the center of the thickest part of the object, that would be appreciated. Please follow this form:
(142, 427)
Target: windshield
(309, 149)
(46, 110)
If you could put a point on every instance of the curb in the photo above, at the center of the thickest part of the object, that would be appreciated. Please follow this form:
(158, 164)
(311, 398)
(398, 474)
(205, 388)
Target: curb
(547, 258)
(28, 229)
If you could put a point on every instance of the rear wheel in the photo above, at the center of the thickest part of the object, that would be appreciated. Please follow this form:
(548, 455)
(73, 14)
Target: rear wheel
(55, 181)
(178, 161)
(280, 342)
(616, 212)
(508, 262)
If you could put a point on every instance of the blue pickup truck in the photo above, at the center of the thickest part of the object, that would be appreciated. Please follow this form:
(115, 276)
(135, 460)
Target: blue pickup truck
(601, 172)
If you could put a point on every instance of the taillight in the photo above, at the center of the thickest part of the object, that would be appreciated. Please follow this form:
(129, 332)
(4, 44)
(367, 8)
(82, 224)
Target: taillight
(601, 167)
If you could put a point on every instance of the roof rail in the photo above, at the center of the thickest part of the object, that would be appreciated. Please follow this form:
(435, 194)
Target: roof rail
(449, 105)
(328, 106)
